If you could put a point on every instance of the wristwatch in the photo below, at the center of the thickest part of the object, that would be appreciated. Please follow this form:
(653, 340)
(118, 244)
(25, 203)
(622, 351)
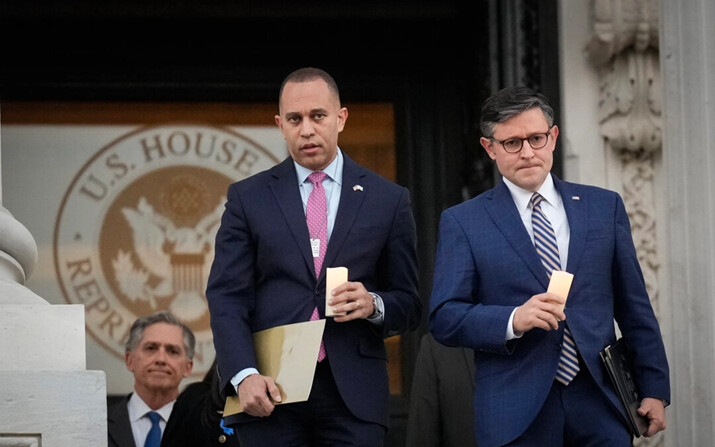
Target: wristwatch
(377, 312)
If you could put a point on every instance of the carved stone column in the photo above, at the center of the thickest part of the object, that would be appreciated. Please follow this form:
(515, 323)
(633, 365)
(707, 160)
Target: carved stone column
(47, 398)
(625, 50)
(688, 63)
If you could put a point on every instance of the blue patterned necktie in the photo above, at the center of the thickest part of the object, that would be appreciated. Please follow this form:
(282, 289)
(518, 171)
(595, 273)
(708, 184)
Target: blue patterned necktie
(548, 250)
(153, 438)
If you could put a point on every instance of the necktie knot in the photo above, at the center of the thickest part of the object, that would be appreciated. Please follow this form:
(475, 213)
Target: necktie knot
(154, 417)
(536, 200)
(544, 236)
(316, 178)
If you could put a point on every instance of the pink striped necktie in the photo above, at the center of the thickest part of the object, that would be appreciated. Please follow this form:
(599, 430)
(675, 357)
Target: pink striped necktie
(548, 250)
(316, 214)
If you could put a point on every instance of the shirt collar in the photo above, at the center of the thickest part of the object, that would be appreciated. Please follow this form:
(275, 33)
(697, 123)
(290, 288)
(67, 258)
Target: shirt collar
(522, 197)
(334, 170)
(137, 408)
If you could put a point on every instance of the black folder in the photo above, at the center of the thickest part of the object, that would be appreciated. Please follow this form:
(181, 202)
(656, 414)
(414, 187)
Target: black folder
(616, 359)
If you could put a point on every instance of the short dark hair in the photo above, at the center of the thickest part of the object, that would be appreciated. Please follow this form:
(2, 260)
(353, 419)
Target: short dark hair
(509, 102)
(137, 331)
(308, 74)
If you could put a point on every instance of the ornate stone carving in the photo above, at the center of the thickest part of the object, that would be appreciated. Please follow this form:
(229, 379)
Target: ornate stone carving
(625, 50)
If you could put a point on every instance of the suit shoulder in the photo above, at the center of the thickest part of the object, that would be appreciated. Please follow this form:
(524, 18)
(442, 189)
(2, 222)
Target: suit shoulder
(255, 180)
(468, 206)
(260, 181)
(378, 180)
(193, 392)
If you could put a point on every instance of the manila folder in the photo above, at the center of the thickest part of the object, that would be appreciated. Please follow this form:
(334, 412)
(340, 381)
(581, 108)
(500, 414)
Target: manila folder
(289, 354)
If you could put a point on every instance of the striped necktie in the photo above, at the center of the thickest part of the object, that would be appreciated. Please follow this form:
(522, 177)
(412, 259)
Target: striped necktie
(548, 250)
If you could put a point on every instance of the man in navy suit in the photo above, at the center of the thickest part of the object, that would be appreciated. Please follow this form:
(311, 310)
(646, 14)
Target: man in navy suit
(264, 275)
(490, 287)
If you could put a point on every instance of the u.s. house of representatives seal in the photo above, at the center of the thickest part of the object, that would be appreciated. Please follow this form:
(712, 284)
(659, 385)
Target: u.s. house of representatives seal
(135, 230)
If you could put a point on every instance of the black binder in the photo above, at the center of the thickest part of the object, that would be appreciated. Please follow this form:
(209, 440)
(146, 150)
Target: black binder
(615, 358)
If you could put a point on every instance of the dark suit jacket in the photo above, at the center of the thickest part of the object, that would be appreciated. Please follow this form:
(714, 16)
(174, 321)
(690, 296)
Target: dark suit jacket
(486, 265)
(262, 275)
(195, 420)
(119, 428)
(441, 401)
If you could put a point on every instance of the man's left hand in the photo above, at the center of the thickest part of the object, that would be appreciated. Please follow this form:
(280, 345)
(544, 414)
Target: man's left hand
(654, 410)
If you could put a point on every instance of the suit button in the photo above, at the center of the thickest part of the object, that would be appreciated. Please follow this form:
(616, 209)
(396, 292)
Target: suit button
(222, 439)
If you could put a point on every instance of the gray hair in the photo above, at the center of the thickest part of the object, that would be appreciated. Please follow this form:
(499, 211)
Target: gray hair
(137, 331)
(509, 102)
(308, 74)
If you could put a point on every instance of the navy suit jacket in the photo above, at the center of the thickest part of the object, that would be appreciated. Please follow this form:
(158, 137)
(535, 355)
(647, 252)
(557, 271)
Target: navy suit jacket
(486, 265)
(263, 275)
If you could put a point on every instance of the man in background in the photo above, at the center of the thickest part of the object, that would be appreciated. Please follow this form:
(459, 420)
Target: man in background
(441, 402)
(159, 353)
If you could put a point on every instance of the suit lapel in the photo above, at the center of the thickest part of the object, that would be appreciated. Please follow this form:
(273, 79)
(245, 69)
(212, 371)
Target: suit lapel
(285, 189)
(350, 202)
(577, 215)
(506, 217)
(287, 195)
(119, 426)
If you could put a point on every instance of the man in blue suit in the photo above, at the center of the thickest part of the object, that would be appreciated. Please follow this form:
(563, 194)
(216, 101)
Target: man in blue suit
(490, 287)
(265, 274)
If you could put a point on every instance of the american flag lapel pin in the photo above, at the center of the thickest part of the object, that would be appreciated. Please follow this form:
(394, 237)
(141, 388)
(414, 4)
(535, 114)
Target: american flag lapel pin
(357, 188)
(575, 198)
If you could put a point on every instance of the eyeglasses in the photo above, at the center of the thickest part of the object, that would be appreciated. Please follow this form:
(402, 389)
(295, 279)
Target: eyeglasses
(514, 145)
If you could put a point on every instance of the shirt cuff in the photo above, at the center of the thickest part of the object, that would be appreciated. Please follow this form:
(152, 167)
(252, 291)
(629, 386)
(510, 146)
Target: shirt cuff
(238, 378)
(510, 335)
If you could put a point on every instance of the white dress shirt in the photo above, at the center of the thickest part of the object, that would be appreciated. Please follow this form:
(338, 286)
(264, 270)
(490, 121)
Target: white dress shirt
(553, 208)
(141, 424)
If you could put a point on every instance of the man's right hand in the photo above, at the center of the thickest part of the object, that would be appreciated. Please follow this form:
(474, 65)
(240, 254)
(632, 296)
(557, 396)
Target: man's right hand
(544, 311)
(257, 395)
